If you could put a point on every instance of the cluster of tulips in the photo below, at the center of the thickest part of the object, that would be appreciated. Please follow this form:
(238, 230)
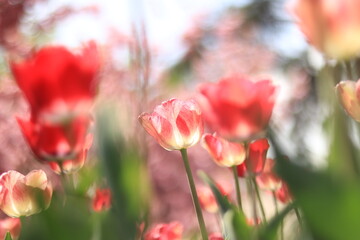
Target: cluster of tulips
(60, 86)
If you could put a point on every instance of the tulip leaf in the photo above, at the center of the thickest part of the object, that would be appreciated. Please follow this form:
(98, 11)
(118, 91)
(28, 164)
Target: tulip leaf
(234, 219)
(8, 236)
(330, 204)
(269, 231)
(122, 166)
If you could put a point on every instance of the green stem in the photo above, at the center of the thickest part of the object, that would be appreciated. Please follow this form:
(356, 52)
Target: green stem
(298, 216)
(251, 192)
(237, 187)
(259, 198)
(277, 212)
(194, 194)
(348, 70)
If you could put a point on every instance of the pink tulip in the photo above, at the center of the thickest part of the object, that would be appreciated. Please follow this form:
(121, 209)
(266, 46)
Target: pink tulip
(332, 26)
(175, 124)
(170, 231)
(224, 153)
(24, 195)
(11, 225)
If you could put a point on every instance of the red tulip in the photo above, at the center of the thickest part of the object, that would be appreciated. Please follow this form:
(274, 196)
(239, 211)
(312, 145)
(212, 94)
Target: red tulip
(58, 84)
(349, 95)
(102, 200)
(254, 163)
(224, 153)
(333, 27)
(238, 108)
(283, 194)
(175, 124)
(24, 195)
(64, 147)
(171, 231)
(216, 236)
(268, 180)
(11, 225)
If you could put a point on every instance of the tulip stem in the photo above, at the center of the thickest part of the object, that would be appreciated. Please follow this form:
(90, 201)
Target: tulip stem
(298, 216)
(277, 212)
(251, 192)
(259, 198)
(237, 186)
(194, 194)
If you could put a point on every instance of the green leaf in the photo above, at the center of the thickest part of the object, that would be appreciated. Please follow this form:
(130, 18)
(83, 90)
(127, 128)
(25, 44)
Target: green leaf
(330, 204)
(8, 236)
(269, 231)
(125, 173)
(236, 227)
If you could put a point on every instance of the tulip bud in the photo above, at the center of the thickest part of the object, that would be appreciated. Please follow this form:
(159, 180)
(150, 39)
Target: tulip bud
(216, 236)
(11, 225)
(175, 124)
(102, 200)
(24, 195)
(347, 92)
(224, 153)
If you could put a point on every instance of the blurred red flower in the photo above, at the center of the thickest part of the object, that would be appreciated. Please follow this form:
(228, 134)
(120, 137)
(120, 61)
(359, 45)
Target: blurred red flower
(224, 153)
(236, 107)
(101, 200)
(216, 236)
(64, 147)
(24, 195)
(175, 124)
(170, 231)
(254, 163)
(283, 194)
(207, 199)
(11, 225)
(333, 27)
(58, 84)
(268, 180)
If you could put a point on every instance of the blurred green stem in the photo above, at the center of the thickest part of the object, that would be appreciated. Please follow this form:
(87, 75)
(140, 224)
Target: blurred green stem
(237, 187)
(194, 194)
(256, 188)
(251, 192)
(298, 216)
(277, 212)
(348, 70)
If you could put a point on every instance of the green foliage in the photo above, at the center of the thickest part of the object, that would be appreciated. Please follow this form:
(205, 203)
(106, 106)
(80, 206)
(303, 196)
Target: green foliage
(329, 203)
(125, 174)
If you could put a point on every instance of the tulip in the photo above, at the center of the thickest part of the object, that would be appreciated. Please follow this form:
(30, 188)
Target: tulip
(207, 199)
(283, 194)
(102, 200)
(216, 236)
(268, 180)
(254, 163)
(237, 108)
(348, 93)
(11, 225)
(333, 27)
(63, 147)
(170, 231)
(58, 84)
(24, 195)
(175, 124)
(224, 153)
